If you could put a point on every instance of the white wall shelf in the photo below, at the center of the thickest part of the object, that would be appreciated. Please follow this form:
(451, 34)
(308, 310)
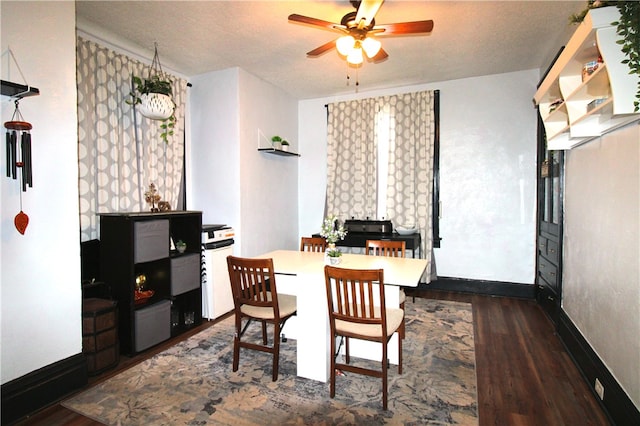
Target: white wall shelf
(271, 149)
(574, 122)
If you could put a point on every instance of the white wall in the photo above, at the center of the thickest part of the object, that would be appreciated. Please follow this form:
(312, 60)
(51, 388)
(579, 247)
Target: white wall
(601, 270)
(487, 174)
(213, 149)
(40, 277)
(230, 180)
(269, 205)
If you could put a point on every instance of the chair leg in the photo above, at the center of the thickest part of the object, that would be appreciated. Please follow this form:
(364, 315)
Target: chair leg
(276, 352)
(400, 354)
(332, 384)
(236, 345)
(401, 330)
(264, 332)
(347, 360)
(385, 367)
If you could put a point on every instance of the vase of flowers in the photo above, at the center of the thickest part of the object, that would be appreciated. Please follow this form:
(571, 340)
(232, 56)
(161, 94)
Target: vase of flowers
(332, 230)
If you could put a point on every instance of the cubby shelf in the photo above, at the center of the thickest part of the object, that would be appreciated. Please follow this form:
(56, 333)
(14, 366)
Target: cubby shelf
(591, 105)
(138, 244)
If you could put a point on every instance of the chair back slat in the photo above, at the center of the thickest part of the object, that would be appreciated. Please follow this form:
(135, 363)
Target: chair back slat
(352, 295)
(385, 248)
(314, 244)
(252, 281)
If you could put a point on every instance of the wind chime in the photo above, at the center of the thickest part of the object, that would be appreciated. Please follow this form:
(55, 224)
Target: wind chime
(19, 158)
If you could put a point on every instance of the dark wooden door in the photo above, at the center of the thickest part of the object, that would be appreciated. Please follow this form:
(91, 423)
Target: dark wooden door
(549, 244)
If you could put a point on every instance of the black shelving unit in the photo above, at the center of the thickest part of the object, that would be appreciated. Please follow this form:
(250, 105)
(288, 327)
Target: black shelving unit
(134, 244)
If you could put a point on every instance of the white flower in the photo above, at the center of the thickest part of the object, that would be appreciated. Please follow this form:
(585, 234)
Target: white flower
(332, 230)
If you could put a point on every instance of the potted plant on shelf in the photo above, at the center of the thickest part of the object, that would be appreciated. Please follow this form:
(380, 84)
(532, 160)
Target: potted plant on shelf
(181, 246)
(276, 142)
(332, 230)
(285, 145)
(154, 95)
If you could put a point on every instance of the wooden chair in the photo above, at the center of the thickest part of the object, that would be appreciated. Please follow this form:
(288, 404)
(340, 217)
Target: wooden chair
(255, 297)
(391, 249)
(352, 313)
(317, 244)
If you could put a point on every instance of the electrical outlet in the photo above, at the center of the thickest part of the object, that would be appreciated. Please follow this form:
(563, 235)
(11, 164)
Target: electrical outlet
(599, 389)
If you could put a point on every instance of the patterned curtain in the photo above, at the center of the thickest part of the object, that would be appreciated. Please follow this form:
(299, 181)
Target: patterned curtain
(351, 159)
(353, 135)
(120, 151)
(410, 180)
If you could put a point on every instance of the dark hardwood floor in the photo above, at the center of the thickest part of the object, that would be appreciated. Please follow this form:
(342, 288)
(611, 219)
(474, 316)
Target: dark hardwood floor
(525, 376)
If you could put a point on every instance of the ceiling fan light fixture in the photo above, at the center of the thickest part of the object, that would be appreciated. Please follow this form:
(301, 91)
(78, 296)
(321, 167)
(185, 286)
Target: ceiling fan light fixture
(371, 46)
(345, 45)
(355, 57)
(357, 33)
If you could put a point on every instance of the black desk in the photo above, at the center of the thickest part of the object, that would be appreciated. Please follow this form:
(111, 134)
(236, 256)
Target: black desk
(359, 239)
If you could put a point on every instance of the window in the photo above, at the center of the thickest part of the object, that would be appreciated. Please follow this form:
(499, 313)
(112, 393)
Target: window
(384, 139)
(378, 151)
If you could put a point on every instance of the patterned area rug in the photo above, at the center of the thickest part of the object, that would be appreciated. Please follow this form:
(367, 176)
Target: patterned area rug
(192, 382)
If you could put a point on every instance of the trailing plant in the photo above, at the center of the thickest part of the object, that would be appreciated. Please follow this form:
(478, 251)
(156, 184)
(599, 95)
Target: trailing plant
(167, 127)
(628, 27)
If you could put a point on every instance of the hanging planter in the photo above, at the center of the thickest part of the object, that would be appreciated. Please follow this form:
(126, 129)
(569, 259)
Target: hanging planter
(156, 106)
(154, 95)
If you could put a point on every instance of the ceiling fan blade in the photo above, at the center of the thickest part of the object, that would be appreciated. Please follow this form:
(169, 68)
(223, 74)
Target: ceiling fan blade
(380, 56)
(415, 27)
(367, 11)
(294, 17)
(322, 49)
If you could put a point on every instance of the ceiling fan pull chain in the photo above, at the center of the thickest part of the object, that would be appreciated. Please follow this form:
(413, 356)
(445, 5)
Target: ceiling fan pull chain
(348, 76)
(357, 79)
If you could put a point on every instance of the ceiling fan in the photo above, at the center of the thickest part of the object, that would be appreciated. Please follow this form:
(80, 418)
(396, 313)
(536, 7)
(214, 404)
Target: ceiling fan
(360, 32)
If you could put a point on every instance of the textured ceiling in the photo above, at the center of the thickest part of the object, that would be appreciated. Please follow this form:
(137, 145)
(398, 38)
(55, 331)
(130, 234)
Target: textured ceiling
(470, 38)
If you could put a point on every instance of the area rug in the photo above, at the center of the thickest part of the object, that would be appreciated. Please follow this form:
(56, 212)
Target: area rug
(192, 382)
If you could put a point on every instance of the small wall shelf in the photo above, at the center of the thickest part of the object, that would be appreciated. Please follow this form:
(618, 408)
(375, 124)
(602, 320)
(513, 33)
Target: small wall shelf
(16, 90)
(279, 152)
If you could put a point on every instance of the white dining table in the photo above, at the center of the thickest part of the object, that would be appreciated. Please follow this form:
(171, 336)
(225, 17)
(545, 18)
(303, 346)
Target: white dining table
(301, 274)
